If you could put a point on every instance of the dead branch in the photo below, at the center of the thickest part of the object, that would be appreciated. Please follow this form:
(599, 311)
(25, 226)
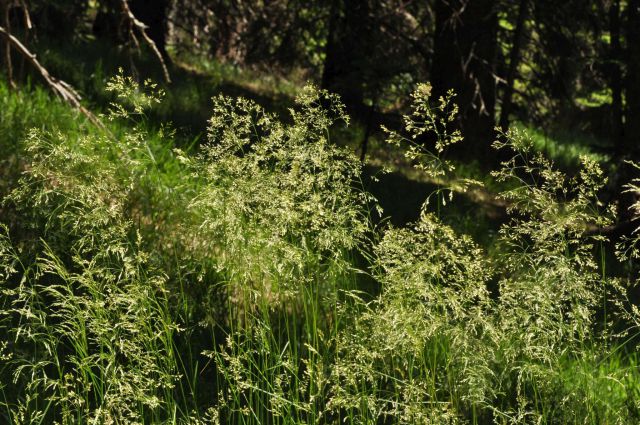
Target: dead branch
(59, 87)
(142, 29)
(26, 16)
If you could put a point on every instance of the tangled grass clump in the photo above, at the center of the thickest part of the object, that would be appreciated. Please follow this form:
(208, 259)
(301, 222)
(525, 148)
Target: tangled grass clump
(145, 284)
(85, 313)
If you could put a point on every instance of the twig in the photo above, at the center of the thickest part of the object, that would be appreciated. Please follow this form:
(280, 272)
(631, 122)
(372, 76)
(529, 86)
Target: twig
(142, 29)
(25, 13)
(59, 87)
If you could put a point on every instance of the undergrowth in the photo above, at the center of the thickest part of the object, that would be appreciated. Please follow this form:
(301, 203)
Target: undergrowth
(146, 284)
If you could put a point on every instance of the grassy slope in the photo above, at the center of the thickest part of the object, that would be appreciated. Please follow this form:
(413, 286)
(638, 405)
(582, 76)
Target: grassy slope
(196, 81)
(269, 345)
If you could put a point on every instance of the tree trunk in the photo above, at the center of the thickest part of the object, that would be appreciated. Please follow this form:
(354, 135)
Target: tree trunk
(331, 54)
(632, 81)
(630, 128)
(514, 62)
(615, 75)
(6, 21)
(108, 23)
(344, 55)
(465, 47)
(153, 13)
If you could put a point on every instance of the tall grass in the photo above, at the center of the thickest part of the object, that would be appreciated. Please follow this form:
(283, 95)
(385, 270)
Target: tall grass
(144, 284)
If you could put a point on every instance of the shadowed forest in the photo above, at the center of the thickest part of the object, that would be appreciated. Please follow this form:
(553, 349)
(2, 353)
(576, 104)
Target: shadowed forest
(319, 212)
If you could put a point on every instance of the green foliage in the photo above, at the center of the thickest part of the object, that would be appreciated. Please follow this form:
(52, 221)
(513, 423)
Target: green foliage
(86, 312)
(410, 350)
(435, 119)
(436, 348)
(21, 112)
(563, 148)
(278, 192)
(280, 213)
(149, 285)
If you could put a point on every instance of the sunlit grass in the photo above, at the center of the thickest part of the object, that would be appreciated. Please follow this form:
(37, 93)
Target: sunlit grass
(246, 282)
(564, 148)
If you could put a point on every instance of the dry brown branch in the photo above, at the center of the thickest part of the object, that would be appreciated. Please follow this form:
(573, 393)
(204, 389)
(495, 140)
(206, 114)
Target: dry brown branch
(142, 29)
(59, 87)
(26, 16)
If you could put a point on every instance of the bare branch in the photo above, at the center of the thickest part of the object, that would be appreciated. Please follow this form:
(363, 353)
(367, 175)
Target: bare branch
(59, 87)
(26, 16)
(142, 29)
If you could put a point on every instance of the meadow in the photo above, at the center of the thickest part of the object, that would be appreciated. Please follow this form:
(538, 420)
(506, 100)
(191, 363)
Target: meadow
(251, 278)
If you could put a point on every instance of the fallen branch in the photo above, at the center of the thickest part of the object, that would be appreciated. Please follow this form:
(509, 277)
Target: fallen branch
(59, 87)
(142, 29)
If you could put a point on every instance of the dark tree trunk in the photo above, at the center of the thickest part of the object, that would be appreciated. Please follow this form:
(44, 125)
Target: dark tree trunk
(345, 53)
(632, 81)
(108, 23)
(626, 147)
(514, 62)
(47, 17)
(153, 13)
(464, 58)
(331, 53)
(6, 22)
(615, 76)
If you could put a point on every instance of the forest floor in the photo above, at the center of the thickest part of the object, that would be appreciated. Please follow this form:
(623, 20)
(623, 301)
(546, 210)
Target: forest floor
(223, 281)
